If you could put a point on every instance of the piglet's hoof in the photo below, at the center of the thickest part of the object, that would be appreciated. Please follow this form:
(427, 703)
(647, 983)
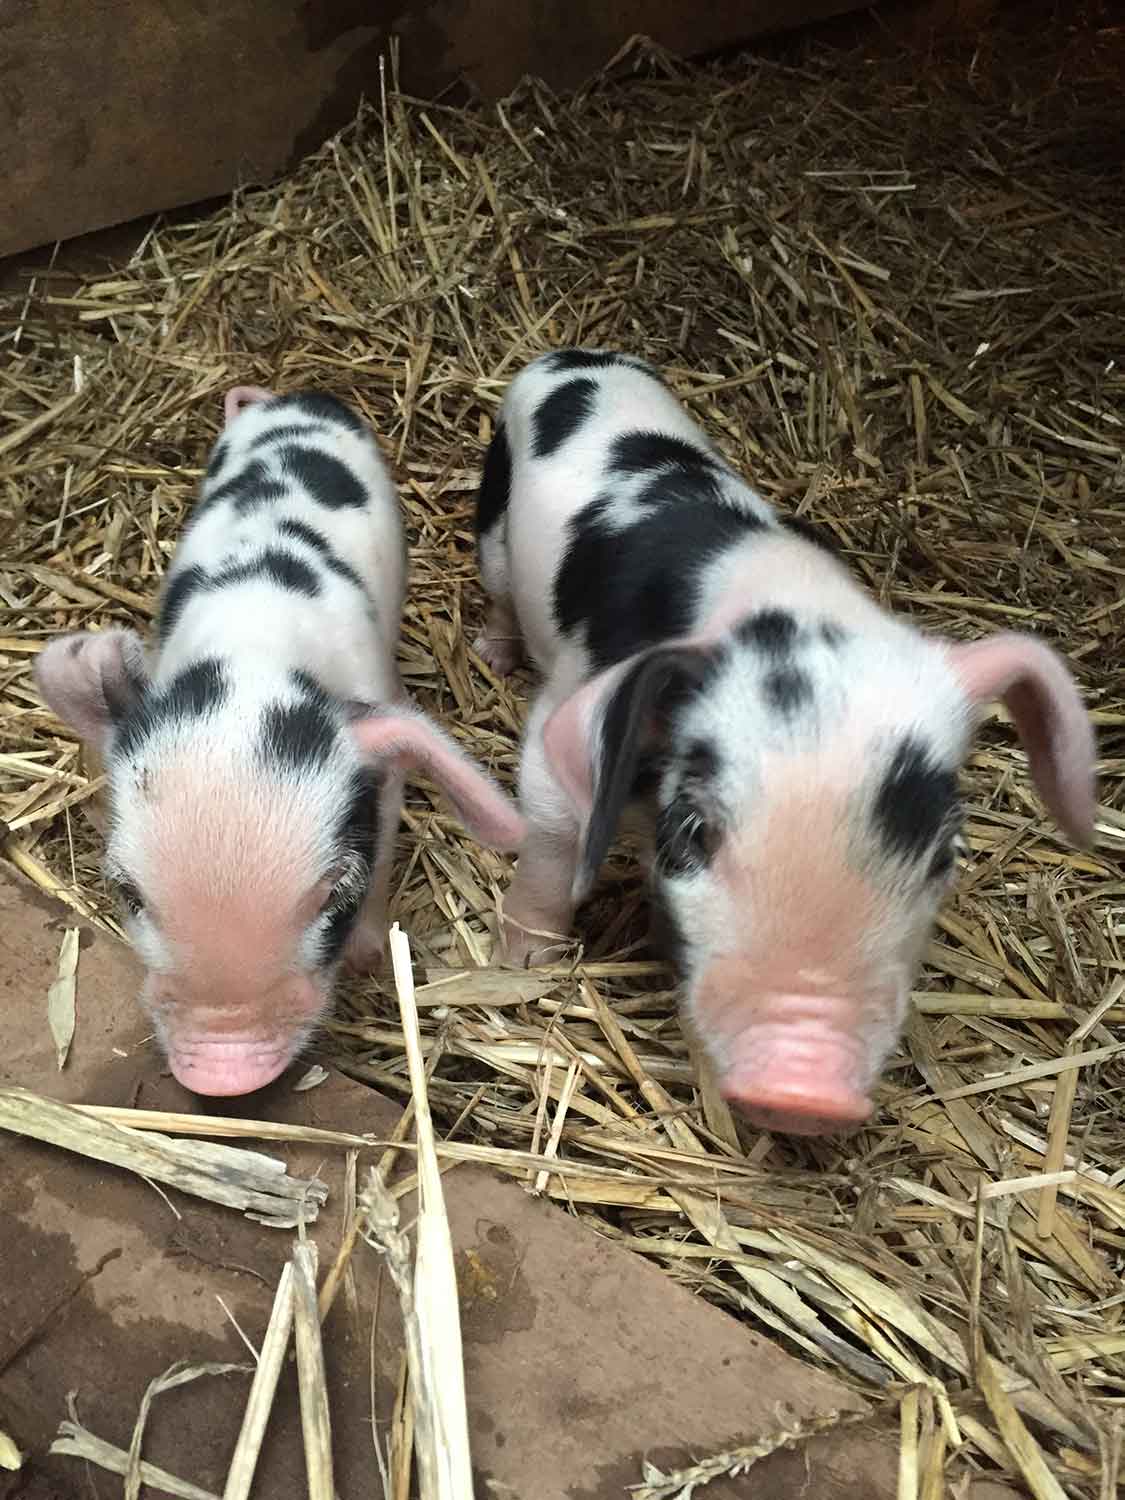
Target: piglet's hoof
(523, 948)
(502, 653)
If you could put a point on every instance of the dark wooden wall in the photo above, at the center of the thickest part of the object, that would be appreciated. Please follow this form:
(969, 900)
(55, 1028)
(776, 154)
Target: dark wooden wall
(110, 109)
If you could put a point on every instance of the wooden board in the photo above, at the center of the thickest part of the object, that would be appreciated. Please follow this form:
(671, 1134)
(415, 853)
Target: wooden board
(117, 108)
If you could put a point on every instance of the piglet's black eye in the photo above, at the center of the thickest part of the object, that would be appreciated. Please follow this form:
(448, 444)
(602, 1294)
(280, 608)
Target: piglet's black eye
(941, 866)
(338, 896)
(685, 840)
(129, 896)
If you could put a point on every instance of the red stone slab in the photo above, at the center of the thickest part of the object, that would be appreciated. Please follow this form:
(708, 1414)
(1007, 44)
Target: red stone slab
(582, 1360)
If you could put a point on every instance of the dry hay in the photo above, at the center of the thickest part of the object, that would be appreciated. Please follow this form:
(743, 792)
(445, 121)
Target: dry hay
(898, 304)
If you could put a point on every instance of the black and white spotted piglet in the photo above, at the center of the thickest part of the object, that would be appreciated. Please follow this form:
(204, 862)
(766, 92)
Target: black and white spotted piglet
(256, 764)
(795, 747)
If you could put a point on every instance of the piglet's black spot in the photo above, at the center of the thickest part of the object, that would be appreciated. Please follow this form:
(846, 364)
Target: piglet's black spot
(289, 432)
(345, 570)
(310, 687)
(771, 630)
(181, 587)
(252, 486)
(599, 359)
(290, 572)
(688, 487)
(319, 406)
(294, 736)
(276, 566)
(194, 693)
(787, 690)
(356, 834)
(701, 761)
(298, 531)
(562, 413)
(916, 800)
(358, 830)
(831, 634)
(197, 690)
(329, 482)
(260, 495)
(636, 586)
(680, 473)
(496, 482)
(583, 359)
(218, 455)
(302, 532)
(254, 496)
(642, 452)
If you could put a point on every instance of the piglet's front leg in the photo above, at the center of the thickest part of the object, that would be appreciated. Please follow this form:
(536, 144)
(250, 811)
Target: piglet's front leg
(538, 910)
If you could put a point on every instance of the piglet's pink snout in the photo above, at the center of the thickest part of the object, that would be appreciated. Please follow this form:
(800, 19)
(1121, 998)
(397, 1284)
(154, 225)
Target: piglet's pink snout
(225, 1067)
(241, 1043)
(798, 1076)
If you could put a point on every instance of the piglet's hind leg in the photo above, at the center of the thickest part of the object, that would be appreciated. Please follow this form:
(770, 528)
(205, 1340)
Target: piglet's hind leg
(500, 643)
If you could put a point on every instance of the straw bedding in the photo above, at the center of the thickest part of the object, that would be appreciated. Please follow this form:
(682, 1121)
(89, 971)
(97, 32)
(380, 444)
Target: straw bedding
(895, 296)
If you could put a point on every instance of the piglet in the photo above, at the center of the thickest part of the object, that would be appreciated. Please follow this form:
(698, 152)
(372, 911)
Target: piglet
(793, 747)
(256, 762)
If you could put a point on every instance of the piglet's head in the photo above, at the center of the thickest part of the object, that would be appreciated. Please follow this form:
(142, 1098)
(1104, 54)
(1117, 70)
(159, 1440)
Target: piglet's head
(803, 780)
(246, 814)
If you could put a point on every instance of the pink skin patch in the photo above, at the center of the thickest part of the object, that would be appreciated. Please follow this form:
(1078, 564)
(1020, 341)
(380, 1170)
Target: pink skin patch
(793, 1016)
(232, 1001)
(790, 1062)
(796, 1067)
(232, 1028)
(226, 1068)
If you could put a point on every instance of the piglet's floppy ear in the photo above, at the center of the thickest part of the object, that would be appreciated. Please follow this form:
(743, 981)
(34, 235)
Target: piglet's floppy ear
(240, 396)
(1039, 693)
(91, 680)
(412, 742)
(570, 739)
(594, 741)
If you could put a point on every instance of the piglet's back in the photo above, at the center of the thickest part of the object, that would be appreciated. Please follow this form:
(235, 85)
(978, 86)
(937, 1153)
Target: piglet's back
(295, 549)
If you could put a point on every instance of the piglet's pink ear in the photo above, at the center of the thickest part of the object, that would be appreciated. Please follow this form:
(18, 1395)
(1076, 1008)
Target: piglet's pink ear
(412, 742)
(570, 740)
(595, 741)
(240, 396)
(1039, 693)
(92, 679)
